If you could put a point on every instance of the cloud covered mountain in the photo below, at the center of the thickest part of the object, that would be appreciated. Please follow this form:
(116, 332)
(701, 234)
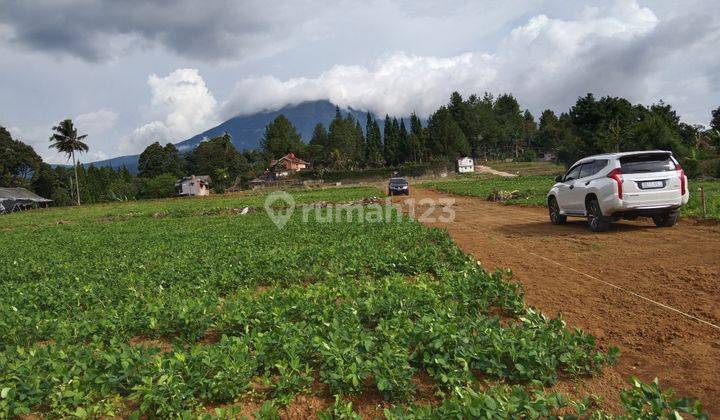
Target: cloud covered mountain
(247, 130)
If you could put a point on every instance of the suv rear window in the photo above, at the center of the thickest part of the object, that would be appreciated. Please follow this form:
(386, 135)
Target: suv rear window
(655, 162)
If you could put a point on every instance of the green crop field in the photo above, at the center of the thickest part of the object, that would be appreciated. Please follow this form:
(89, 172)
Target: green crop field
(532, 191)
(185, 308)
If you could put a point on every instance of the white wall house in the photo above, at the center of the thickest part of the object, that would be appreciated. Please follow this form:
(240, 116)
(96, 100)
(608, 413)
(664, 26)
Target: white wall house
(465, 165)
(193, 185)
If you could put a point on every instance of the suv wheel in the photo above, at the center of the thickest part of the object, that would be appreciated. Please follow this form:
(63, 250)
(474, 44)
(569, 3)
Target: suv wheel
(595, 218)
(554, 210)
(666, 220)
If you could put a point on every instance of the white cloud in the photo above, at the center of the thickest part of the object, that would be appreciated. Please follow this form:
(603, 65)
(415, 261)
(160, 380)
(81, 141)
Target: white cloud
(185, 102)
(96, 122)
(621, 49)
(39, 138)
(397, 84)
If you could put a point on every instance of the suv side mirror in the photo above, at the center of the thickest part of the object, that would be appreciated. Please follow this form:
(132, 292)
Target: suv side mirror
(559, 178)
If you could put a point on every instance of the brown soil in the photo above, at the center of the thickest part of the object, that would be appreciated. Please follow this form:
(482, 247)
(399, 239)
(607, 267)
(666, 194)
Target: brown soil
(678, 267)
(210, 336)
(163, 344)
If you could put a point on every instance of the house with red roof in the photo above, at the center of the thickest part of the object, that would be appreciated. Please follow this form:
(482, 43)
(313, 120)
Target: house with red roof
(287, 165)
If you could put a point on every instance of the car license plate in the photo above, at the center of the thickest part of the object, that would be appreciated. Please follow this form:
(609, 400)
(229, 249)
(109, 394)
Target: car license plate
(652, 184)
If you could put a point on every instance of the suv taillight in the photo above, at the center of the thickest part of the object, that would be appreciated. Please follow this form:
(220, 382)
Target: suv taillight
(682, 178)
(616, 174)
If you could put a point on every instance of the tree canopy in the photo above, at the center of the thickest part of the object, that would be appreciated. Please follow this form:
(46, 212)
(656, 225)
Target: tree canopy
(281, 138)
(218, 158)
(18, 161)
(156, 160)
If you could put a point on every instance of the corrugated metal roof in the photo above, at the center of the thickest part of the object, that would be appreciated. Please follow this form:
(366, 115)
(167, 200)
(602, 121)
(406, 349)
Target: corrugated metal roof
(21, 194)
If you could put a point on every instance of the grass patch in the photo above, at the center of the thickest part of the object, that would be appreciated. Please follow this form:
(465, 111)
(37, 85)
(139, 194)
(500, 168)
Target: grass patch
(174, 207)
(532, 191)
(528, 168)
(712, 198)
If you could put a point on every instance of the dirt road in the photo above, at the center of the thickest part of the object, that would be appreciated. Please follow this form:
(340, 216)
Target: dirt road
(562, 269)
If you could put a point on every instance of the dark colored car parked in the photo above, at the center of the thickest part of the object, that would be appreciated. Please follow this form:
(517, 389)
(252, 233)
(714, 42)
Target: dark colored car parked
(398, 186)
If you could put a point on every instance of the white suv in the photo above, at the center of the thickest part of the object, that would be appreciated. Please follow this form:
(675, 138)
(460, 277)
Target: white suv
(606, 188)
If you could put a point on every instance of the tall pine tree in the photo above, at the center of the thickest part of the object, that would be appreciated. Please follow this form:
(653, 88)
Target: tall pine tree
(318, 144)
(446, 139)
(281, 138)
(416, 139)
(403, 148)
(374, 147)
(389, 142)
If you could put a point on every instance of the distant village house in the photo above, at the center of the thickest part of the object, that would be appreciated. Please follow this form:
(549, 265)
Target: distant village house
(287, 165)
(193, 185)
(465, 165)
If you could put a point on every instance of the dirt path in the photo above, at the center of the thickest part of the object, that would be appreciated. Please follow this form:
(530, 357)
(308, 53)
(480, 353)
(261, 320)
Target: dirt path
(678, 267)
(488, 170)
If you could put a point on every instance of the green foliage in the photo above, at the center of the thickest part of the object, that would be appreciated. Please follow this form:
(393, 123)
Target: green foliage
(445, 137)
(161, 186)
(407, 169)
(532, 190)
(345, 147)
(527, 155)
(65, 139)
(342, 312)
(45, 181)
(156, 160)
(398, 299)
(391, 141)
(340, 410)
(392, 371)
(712, 197)
(281, 138)
(374, 146)
(267, 411)
(648, 401)
(691, 167)
(317, 147)
(710, 168)
(17, 161)
(497, 402)
(219, 159)
(715, 121)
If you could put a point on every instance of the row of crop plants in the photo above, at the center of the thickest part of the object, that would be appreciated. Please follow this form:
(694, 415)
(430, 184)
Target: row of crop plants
(345, 305)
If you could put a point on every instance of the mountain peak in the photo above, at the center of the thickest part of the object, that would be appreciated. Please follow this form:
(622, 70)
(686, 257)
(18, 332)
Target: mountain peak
(247, 130)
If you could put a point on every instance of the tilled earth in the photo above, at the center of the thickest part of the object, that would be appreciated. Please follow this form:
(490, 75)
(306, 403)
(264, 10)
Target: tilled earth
(565, 269)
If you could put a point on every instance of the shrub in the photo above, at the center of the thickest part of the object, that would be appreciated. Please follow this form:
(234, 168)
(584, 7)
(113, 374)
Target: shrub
(527, 155)
(691, 167)
(161, 186)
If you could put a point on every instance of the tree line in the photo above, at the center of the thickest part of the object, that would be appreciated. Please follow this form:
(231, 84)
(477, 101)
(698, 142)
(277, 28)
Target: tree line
(486, 127)
(491, 127)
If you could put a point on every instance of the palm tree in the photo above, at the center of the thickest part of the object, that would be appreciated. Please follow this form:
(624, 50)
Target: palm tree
(66, 140)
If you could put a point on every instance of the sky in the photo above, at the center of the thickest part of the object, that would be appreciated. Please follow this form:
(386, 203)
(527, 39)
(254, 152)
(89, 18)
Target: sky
(137, 71)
